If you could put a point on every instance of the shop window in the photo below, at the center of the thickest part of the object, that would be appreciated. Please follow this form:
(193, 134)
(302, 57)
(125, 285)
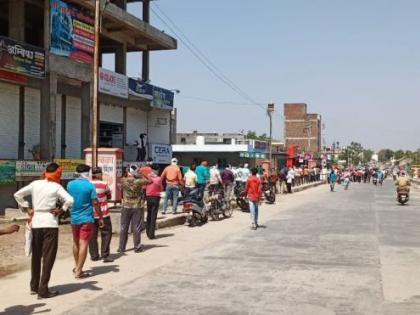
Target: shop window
(111, 135)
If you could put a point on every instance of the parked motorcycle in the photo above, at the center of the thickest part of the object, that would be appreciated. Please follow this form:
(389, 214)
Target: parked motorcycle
(195, 208)
(269, 192)
(403, 195)
(241, 197)
(219, 205)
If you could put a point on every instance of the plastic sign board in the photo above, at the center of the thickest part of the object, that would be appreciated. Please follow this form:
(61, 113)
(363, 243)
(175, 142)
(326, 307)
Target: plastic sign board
(161, 153)
(113, 83)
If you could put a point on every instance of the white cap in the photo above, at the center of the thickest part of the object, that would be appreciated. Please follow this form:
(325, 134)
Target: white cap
(174, 161)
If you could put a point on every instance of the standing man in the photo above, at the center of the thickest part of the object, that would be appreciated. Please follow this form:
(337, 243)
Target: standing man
(215, 180)
(332, 177)
(203, 176)
(228, 178)
(133, 208)
(289, 180)
(82, 220)
(45, 193)
(104, 194)
(190, 180)
(253, 190)
(153, 191)
(173, 177)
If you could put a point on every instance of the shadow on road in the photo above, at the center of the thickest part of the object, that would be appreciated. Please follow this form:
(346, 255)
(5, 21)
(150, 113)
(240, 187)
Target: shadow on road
(100, 270)
(151, 246)
(24, 309)
(73, 287)
(158, 236)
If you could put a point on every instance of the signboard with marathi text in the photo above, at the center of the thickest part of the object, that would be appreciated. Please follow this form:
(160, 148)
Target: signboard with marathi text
(72, 32)
(21, 58)
(30, 168)
(68, 167)
(113, 83)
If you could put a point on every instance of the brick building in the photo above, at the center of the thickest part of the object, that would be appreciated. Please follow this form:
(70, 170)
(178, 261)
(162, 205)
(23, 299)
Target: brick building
(302, 128)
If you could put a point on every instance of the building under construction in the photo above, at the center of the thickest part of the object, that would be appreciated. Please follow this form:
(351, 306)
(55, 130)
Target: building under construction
(46, 74)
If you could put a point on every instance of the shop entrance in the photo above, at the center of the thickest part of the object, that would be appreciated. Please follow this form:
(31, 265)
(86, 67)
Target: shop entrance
(111, 135)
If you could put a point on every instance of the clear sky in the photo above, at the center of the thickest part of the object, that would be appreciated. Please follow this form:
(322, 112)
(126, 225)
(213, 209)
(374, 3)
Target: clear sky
(357, 63)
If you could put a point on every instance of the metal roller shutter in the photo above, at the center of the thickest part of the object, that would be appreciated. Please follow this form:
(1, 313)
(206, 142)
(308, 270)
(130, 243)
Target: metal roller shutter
(73, 128)
(9, 121)
(32, 120)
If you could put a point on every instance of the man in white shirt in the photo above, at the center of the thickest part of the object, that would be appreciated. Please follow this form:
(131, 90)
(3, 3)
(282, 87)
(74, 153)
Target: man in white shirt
(44, 215)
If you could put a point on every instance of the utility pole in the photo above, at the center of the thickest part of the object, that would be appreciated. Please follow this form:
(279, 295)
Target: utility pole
(94, 135)
(270, 110)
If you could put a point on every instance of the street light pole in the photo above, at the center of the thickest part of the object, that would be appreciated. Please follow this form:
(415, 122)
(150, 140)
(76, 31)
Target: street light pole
(94, 134)
(270, 110)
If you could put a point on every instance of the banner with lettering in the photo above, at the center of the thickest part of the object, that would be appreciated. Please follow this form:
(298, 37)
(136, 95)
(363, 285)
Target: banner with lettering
(72, 32)
(7, 172)
(21, 58)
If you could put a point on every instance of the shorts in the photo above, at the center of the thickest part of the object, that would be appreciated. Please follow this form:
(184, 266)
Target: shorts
(82, 231)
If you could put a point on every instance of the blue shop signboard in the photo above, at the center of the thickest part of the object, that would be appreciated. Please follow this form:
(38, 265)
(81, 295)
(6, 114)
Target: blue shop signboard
(161, 98)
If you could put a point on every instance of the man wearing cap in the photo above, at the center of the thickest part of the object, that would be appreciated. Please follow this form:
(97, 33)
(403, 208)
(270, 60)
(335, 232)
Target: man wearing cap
(44, 214)
(85, 202)
(133, 208)
(104, 194)
(173, 177)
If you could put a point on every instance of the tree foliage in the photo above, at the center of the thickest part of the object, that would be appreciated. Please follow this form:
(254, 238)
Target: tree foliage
(253, 135)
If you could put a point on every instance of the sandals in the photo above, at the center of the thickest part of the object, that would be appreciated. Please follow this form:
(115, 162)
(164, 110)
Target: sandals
(83, 275)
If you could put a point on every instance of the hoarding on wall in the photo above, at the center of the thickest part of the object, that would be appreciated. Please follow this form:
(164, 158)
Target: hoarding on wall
(113, 83)
(68, 167)
(162, 98)
(7, 172)
(13, 77)
(161, 153)
(72, 32)
(21, 58)
(30, 168)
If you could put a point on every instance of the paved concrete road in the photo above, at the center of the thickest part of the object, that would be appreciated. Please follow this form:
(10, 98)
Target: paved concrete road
(349, 252)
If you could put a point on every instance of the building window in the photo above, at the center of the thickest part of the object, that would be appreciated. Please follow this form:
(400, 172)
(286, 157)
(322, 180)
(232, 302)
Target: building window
(183, 140)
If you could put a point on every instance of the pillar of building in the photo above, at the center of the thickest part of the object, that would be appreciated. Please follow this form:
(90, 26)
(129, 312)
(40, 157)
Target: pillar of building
(17, 19)
(121, 58)
(86, 115)
(48, 116)
(146, 55)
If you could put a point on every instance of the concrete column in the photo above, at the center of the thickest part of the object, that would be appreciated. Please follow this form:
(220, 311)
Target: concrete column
(145, 73)
(86, 115)
(121, 59)
(48, 116)
(17, 19)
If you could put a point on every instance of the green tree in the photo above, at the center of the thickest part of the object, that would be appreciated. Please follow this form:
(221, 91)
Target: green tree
(251, 135)
(385, 155)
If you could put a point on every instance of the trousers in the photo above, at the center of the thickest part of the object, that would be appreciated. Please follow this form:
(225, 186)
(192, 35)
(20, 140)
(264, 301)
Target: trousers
(44, 247)
(135, 217)
(106, 236)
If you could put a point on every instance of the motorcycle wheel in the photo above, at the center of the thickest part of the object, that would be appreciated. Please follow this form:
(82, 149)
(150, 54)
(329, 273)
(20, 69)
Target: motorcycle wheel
(227, 213)
(214, 213)
(205, 218)
(271, 197)
(243, 205)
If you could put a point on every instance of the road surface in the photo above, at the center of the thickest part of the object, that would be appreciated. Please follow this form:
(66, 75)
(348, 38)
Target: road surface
(348, 252)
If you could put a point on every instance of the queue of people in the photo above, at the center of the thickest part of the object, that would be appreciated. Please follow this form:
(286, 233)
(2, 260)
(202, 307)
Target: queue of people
(87, 196)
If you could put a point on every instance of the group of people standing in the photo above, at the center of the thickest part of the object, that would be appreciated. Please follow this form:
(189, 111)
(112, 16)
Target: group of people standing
(86, 197)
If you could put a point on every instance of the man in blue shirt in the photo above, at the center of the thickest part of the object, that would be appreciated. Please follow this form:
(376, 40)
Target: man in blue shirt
(203, 176)
(85, 201)
(332, 179)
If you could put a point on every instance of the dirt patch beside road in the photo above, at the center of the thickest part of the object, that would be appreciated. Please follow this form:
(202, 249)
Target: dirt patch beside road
(12, 250)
